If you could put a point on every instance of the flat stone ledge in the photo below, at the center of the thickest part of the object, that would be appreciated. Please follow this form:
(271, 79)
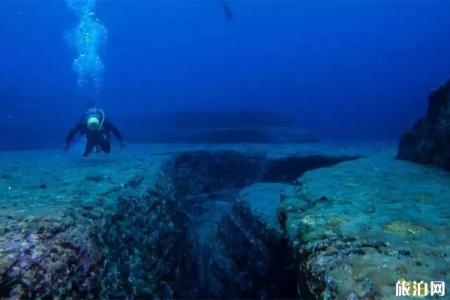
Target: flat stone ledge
(364, 224)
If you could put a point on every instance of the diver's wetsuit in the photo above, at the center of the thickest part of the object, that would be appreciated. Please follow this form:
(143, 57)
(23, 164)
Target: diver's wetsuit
(95, 137)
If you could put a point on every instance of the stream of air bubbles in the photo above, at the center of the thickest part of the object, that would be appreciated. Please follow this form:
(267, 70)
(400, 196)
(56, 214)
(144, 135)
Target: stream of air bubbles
(86, 38)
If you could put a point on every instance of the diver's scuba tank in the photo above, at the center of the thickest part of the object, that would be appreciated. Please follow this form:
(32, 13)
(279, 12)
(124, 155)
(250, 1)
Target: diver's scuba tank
(95, 118)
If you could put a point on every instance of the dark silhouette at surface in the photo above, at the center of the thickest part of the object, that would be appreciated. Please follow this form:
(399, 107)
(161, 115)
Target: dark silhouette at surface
(97, 130)
(227, 11)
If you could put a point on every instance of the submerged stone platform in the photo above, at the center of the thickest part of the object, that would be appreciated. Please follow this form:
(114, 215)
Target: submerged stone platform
(362, 225)
(221, 221)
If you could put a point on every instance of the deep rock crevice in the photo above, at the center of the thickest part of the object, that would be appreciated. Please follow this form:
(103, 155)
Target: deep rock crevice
(238, 255)
(192, 236)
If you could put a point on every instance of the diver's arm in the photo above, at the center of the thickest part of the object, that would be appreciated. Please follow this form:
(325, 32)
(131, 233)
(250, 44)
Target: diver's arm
(71, 135)
(116, 133)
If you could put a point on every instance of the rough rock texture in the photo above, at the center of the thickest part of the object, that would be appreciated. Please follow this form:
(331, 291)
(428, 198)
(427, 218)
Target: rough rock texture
(208, 185)
(240, 250)
(51, 207)
(428, 141)
(360, 226)
(51, 256)
(250, 257)
(145, 245)
(120, 226)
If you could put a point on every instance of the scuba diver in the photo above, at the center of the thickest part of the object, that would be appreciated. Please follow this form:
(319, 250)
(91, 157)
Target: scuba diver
(96, 128)
(227, 10)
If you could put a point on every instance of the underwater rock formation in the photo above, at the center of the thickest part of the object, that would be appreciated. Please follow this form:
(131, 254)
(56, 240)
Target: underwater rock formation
(203, 171)
(240, 250)
(428, 141)
(144, 244)
(49, 257)
(261, 135)
(158, 221)
(230, 119)
(361, 225)
(250, 257)
(238, 127)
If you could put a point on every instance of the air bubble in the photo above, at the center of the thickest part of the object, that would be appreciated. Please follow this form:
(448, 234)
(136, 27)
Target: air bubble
(87, 38)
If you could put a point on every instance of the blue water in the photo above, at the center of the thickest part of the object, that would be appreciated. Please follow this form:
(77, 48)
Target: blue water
(299, 197)
(342, 70)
